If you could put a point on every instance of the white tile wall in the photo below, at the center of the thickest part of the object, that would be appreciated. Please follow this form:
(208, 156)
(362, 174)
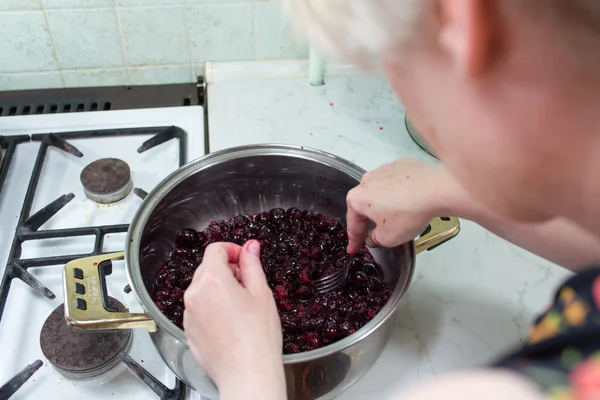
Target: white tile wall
(35, 80)
(221, 32)
(130, 3)
(25, 43)
(274, 36)
(159, 75)
(72, 43)
(20, 5)
(155, 35)
(50, 4)
(86, 38)
(95, 77)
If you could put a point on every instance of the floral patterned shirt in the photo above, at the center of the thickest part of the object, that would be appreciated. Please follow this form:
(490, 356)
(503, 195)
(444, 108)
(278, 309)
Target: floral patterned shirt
(562, 352)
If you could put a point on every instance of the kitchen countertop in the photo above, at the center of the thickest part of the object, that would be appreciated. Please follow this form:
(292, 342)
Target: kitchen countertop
(471, 300)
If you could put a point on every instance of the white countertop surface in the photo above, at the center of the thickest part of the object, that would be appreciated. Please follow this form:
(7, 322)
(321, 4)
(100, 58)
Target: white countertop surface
(472, 299)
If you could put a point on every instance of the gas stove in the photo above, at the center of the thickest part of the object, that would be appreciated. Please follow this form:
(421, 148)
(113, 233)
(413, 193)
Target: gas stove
(69, 186)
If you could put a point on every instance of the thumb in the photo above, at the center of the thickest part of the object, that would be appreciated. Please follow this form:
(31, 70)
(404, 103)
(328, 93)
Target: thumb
(381, 236)
(251, 271)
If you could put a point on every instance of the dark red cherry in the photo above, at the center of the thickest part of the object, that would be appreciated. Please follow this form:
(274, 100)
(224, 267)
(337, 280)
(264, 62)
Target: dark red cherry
(293, 214)
(261, 218)
(280, 292)
(359, 279)
(179, 252)
(276, 215)
(188, 238)
(304, 292)
(313, 341)
(291, 348)
(348, 328)
(375, 284)
(370, 269)
(252, 231)
(331, 331)
(289, 324)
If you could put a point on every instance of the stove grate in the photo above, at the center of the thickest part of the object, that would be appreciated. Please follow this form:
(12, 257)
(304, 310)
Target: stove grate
(11, 387)
(9, 145)
(28, 226)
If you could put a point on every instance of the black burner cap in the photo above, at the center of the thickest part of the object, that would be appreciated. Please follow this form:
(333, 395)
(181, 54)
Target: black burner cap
(106, 180)
(82, 354)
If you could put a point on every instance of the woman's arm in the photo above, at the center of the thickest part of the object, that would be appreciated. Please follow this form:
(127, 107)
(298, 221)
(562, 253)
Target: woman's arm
(475, 385)
(559, 240)
(401, 197)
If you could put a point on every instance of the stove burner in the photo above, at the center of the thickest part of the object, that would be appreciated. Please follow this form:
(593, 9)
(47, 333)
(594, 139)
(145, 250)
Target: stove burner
(82, 355)
(107, 180)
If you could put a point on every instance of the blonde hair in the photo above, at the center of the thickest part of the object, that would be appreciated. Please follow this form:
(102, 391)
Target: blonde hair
(355, 29)
(352, 29)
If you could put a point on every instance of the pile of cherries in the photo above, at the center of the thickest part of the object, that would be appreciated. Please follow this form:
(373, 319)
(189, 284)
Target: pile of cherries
(297, 248)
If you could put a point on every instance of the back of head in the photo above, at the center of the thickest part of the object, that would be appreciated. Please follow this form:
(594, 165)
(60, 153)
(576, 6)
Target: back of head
(504, 91)
(352, 29)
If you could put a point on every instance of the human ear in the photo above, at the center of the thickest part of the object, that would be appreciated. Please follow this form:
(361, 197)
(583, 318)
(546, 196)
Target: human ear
(466, 31)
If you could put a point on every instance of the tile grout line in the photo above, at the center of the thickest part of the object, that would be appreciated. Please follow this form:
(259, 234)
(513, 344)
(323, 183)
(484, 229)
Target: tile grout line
(50, 71)
(123, 47)
(204, 3)
(189, 39)
(60, 71)
(254, 28)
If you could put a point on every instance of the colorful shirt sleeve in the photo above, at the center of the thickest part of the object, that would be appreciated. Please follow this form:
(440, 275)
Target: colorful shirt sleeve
(562, 352)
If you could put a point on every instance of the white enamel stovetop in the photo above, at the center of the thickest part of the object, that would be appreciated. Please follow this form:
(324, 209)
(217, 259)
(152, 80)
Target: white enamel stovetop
(26, 311)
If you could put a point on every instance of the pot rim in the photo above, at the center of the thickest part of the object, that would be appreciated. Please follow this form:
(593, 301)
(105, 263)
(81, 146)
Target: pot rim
(139, 221)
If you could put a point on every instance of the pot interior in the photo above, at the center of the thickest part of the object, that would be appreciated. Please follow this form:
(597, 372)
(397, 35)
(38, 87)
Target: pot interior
(247, 181)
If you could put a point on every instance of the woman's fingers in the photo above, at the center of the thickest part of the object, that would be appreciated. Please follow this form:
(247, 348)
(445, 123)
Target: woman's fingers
(217, 256)
(252, 275)
(357, 224)
(223, 252)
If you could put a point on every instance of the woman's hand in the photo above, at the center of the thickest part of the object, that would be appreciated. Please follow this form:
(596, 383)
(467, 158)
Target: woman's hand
(400, 198)
(231, 323)
(403, 196)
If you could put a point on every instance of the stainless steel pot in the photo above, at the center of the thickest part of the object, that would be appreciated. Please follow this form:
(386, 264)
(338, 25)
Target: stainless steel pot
(243, 180)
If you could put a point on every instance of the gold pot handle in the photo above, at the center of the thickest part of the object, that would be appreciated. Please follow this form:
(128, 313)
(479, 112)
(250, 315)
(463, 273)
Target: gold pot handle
(87, 304)
(439, 231)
